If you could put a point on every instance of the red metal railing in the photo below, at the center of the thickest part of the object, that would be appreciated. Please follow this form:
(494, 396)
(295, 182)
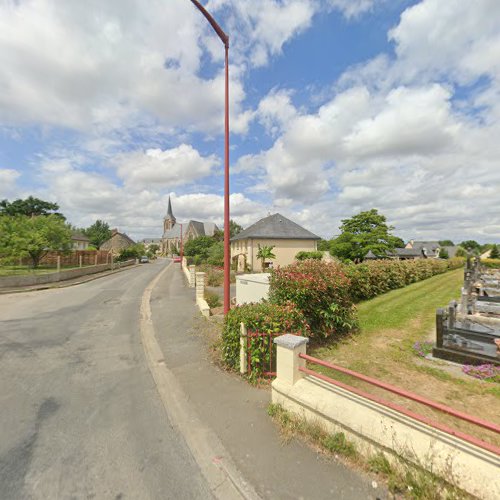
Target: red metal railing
(266, 344)
(409, 395)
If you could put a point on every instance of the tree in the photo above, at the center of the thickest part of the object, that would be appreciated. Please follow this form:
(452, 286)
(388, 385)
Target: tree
(216, 254)
(495, 253)
(446, 243)
(443, 254)
(264, 253)
(364, 232)
(33, 236)
(198, 246)
(132, 252)
(323, 245)
(30, 207)
(471, 246)
(234, 229)
(461, 252)
(153, 248)
(98, 233)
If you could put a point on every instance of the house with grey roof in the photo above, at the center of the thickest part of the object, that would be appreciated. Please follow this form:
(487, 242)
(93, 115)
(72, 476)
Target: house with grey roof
(79, 241)
(286, 236)
(117, 242)
(174, 232)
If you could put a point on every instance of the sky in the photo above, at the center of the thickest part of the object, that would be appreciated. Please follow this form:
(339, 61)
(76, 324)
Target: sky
(336, 106)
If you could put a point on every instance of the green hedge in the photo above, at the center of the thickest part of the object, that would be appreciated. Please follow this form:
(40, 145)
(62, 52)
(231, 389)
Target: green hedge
(303, 255)
(491, 263)
(263, 317)
(373, 278)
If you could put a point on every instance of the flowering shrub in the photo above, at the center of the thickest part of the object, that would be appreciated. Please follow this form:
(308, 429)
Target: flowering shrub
(264, 318)
(373, 278)
(424, 348)
(483, 372)
(320, 290)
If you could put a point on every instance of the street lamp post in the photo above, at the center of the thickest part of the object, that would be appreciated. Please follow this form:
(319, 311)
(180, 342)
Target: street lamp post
(182, 246)
(225, 41)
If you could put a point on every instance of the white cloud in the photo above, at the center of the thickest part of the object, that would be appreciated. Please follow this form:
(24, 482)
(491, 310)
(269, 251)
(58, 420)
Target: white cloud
(275, 110)
(163, 168)
(258, 29)
(8, 178)
(353, 8)
(98, 67)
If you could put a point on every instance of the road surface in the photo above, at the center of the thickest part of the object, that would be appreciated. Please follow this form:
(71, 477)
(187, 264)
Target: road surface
(80, 416)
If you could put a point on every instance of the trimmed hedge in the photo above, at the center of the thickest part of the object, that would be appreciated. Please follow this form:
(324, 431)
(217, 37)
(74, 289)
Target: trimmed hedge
(491, 263)
(262, 317)
(373, 278)
(303, 255)
(321, 291)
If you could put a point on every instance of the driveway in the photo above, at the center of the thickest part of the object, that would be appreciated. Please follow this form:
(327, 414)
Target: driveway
(80, 416)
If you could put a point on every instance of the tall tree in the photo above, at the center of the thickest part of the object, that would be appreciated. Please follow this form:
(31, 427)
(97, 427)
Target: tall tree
(364, 232)
(265, 253)
(446, 243)
(98, 233)
(471, 246)
(495, 253)
(30, 207)
(33, 236)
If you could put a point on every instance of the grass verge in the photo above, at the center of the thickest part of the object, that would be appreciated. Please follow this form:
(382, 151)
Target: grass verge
(389, 326)
(404, 480)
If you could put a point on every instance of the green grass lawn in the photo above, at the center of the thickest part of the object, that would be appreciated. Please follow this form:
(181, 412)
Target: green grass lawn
(383, 348)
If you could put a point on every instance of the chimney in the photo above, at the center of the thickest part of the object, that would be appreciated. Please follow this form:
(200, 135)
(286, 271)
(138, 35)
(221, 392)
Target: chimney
(114, 231)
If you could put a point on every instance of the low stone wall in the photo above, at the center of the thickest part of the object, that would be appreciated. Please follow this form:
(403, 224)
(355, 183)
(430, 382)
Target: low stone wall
(41, 279)
(377, 428)
(200, 295)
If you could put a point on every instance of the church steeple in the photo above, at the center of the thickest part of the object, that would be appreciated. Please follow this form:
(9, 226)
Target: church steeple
(169, 220)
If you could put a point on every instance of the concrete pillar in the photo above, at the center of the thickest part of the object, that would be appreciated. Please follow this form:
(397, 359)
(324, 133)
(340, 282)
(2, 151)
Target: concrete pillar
(287, 357)
(200, 286)
(80, 260)
(95, 263)
(192, 277)
(112, 262)
(58, 263)
(243, 348)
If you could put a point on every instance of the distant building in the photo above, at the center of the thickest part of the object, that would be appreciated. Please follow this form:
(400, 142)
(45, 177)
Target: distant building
(79, 241)
(117, 242)
(171, 240)
(286, 236)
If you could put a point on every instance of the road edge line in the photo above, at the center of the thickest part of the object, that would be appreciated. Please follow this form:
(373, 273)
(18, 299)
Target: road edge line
(214, 461)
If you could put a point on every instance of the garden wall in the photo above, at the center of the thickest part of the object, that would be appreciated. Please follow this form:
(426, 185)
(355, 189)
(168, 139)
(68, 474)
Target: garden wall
(41, 279)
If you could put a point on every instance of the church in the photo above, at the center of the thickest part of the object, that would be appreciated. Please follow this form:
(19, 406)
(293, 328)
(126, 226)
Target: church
(172, 230)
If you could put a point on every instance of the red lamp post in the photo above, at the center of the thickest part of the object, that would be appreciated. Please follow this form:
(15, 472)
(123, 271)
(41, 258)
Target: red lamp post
(225, 41)
(182, 247)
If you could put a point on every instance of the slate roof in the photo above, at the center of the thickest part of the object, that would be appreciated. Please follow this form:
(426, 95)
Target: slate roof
(147, 241)
(175, 232)
(452, 251)
(203, 228)
(276, 227)
(79, 237)
(408, 252)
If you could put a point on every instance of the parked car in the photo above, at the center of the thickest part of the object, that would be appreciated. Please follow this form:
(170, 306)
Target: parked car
(176, 258)
(144, 259)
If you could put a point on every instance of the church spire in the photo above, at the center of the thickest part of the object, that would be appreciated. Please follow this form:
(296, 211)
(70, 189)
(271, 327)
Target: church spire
(169, 220)
(170, 214)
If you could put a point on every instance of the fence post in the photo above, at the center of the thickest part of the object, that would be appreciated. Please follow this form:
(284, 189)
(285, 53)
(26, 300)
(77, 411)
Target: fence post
(200, 286)
(192, 277)
(58, 263)
(243, 348)
(95, 263)
(288, 348)
(112, 262)
(80, 260)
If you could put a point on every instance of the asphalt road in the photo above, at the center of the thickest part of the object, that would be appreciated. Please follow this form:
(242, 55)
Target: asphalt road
(80, 416)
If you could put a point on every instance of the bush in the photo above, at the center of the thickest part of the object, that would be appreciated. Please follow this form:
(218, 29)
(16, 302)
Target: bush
(216, 254)
(321, 291)
(198, 247)
(309, 255)
(373, 278)
(263, 317)
(213, 300)
(491, 263)
(132, 252)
